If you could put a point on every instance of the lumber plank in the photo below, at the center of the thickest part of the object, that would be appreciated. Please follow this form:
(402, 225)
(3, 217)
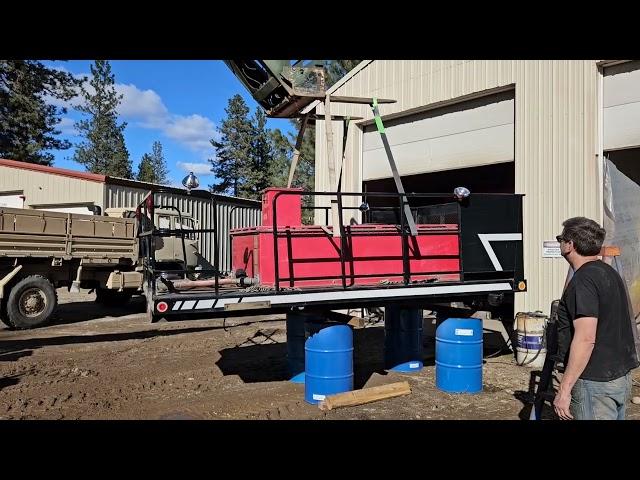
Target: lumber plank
(365, 395)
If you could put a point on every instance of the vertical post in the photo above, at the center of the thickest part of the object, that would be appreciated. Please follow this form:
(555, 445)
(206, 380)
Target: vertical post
(460, 256)
(338, 186)
(276, 272)
(342, 240)
(331, 163)
(216, 261)
(406, 275)
(296, 151)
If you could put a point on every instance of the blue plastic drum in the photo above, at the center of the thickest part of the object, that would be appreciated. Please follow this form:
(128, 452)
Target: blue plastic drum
(459, 355)
(328, 363)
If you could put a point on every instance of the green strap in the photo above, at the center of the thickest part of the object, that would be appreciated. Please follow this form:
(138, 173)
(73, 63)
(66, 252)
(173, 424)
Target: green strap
(376, 115)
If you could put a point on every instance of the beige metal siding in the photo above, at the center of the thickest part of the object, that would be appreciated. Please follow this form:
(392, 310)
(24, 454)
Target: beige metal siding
(45, 189)
(230, 215)
(556, 139)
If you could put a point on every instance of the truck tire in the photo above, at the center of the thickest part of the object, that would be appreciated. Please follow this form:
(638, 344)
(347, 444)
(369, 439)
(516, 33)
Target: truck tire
(31, 302)
(3, 314)
(112, 298)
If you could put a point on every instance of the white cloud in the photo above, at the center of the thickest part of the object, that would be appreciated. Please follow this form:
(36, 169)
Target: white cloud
(197, 168)
(144, 106)
(59, 68)
(194, 131)
(66, 126)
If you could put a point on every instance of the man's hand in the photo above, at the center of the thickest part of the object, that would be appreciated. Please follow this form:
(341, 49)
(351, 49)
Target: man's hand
(561, 404)
(582, 344)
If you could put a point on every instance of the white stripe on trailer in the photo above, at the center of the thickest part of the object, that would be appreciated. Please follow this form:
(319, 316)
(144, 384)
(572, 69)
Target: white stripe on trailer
(485, 238)
(205, 304)
(360, 294)
(188, 305)
(176, 306)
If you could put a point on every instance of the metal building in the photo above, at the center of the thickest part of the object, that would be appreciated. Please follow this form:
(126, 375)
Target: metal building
(26, 185)
(565, 133)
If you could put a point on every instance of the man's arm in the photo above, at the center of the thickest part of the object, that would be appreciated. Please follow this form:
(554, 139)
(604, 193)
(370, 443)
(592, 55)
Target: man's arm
(584, 339)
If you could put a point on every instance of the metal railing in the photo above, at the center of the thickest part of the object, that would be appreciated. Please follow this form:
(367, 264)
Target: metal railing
(347, 232)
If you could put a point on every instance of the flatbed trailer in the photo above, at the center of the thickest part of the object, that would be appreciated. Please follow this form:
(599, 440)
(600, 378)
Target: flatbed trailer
(487, 227)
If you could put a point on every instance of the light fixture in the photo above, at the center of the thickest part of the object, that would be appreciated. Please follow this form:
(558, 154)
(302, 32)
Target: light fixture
(190, 182)
(460, 193)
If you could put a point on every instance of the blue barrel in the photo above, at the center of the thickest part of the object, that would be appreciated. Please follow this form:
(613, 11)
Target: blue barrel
(402, 339)
(300, 326)
(328, 363)
(459, 355)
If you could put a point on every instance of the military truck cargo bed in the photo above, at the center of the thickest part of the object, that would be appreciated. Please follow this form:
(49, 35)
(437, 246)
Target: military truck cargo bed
(39, 233)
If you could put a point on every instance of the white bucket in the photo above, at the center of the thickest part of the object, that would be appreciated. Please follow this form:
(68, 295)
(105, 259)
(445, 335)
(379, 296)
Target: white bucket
(530, 345)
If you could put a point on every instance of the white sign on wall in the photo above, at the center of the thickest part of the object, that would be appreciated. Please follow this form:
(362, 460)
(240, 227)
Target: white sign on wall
(551, 249)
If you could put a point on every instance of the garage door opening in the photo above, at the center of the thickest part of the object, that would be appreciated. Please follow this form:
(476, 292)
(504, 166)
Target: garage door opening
(469, 143)
(498, 178)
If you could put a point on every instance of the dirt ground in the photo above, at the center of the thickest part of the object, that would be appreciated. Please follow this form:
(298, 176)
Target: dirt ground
(98, 363)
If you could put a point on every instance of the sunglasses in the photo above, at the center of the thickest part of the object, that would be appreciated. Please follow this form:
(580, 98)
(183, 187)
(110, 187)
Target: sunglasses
(560, 238)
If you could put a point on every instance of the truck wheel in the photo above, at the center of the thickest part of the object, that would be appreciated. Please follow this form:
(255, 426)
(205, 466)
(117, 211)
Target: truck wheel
(3, 314)
(31, 302)
(112, 297)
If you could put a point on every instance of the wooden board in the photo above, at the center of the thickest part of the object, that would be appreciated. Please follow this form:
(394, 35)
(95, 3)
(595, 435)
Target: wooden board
(366, 395)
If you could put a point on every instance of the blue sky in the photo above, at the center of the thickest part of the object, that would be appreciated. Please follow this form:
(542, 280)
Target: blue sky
(177, 102)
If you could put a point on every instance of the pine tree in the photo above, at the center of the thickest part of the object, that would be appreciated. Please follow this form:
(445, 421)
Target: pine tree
(153, 167)
(27, 122)
(282, 150)
(336, 69)
(233, 151)
(160, 168)
(103, 150)
(145, 169)
(256, 172)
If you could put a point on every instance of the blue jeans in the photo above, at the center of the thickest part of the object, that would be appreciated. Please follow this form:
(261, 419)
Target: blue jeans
(591, 400)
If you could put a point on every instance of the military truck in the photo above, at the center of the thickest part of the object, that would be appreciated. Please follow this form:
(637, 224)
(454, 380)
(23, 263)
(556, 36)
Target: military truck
(43, 250)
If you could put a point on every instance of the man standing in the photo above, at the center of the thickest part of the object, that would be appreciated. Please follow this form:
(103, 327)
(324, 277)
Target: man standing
(595, 336)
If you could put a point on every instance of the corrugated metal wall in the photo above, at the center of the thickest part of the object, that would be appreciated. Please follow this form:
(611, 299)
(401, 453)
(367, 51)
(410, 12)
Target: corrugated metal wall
(46, 189)
(557, 148)
(230, 215)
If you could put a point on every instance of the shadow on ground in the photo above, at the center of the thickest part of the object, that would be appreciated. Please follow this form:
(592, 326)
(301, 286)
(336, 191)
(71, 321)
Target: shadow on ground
(11, 350)
(263, 359)
(527, 398)
(75, 312)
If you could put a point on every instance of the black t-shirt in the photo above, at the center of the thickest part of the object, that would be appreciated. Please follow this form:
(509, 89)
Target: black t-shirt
(596, 290)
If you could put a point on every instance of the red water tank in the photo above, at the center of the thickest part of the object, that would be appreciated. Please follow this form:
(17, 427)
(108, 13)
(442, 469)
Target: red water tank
(288, 206)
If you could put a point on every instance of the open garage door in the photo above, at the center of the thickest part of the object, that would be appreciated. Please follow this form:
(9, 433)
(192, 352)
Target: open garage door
(468, 134)
(468, 144)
